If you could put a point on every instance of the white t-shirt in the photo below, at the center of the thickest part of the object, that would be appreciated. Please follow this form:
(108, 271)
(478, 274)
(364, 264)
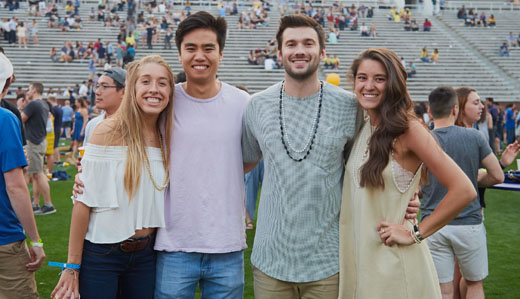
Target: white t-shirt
(204, 206)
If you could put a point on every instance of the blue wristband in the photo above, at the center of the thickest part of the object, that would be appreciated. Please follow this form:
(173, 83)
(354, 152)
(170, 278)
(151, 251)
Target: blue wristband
(65, 265)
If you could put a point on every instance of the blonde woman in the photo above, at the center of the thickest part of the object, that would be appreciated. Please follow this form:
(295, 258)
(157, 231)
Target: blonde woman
(125, 173)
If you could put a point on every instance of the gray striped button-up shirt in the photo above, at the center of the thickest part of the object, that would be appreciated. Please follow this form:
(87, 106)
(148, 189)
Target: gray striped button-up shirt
(297, 229)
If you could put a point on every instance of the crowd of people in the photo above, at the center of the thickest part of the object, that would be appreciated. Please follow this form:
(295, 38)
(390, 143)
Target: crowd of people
(473, 19)
(16, 31)
(338, 201)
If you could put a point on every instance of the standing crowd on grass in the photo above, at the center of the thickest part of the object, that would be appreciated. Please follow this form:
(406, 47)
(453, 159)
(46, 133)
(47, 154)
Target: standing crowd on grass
(161, 204)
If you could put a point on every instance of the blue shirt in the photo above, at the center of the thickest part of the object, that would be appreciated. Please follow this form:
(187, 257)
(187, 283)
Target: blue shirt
(67, 113)
(510, 119)
(11, 157)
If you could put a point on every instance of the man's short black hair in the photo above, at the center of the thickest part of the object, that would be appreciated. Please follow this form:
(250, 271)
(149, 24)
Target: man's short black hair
(442, 99)
(202, 20)
(491, 100)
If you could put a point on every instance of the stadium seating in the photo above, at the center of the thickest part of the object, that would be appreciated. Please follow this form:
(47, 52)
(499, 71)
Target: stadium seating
(457, 64)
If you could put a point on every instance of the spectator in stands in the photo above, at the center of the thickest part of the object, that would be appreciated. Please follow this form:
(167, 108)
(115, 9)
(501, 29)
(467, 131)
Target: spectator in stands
(461, 13)
(335, 61)
(333, 36)
(16, 220)
(364, 30)
(35, 116)
(427, 25)
(168, 38)
(53, 55)
(149, 34)
(413, 25)
(491, 21)
(511, 40)
(101, 54)
(76, 23)
(13, 24)
(34, 31)
(504, 50)
(92, 68)
(482, 19)
(327, 62)
(370, 12)
(411, 69)
(120, 53)
(435, 56)
(373, 33)
(424, 55)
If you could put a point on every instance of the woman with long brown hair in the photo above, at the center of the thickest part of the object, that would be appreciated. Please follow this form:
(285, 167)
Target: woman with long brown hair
(381, 254)
(125, 172)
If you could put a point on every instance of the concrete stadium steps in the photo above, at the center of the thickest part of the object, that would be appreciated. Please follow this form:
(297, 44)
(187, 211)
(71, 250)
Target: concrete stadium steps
(493, 39)
(457, 66)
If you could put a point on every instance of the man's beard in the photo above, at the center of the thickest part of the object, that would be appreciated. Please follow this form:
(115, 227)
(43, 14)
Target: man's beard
(302, 76)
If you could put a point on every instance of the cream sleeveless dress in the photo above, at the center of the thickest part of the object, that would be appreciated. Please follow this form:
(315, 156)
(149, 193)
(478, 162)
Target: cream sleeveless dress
(368, 268)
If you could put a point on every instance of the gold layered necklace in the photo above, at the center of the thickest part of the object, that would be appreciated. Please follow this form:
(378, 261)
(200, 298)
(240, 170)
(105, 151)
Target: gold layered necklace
(147, 164)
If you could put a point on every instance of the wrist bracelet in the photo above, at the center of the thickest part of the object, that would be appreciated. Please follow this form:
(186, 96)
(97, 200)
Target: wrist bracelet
(65, 265)
(418, 233)
(501, 165)
(39, 243)
(414, 237)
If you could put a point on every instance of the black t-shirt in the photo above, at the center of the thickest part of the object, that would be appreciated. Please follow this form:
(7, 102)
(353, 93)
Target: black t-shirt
(37, 112)
(7, 105)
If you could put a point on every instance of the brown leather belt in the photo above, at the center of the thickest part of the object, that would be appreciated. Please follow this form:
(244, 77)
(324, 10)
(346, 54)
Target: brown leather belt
(137, 244)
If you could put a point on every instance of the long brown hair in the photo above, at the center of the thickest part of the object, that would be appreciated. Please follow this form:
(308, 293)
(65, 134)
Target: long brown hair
(462, 93)
(395, 112)
(129, 123)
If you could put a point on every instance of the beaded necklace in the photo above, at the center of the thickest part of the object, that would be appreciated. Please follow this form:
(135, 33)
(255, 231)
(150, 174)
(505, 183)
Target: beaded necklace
(312, 132)
(147, 164)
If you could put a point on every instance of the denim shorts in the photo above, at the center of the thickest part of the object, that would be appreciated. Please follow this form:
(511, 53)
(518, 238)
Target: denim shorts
(107, 272)
(219, 275)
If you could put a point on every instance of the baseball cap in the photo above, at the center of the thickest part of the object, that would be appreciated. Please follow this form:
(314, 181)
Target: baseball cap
(116, 73)
(6, 70)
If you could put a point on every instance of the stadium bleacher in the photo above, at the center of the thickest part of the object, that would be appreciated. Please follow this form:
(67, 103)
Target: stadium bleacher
(458, 65)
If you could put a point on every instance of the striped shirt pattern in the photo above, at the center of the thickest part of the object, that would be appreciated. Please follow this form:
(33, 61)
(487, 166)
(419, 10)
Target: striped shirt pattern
(297, 229)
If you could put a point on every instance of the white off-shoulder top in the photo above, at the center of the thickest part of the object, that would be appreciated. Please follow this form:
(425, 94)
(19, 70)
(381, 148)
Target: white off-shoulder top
(113, 217)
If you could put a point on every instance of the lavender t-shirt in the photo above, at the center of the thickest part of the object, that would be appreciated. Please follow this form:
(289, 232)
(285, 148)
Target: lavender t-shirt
(204, 206)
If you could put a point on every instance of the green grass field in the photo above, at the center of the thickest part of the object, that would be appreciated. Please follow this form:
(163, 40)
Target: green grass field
(501, 220)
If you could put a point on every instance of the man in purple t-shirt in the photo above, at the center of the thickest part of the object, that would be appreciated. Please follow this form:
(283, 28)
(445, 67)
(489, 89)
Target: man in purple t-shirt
(204, 237)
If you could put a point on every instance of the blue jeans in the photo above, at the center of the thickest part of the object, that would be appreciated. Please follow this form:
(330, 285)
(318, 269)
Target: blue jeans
(107, 272)
(253, 180)
(220, 275)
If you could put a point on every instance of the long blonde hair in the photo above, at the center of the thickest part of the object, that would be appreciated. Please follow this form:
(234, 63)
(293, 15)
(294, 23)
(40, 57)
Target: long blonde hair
(129, 123)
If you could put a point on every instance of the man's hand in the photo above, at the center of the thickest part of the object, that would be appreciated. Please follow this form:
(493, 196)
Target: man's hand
(78, 186)
(37, 257)
(413, 207)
